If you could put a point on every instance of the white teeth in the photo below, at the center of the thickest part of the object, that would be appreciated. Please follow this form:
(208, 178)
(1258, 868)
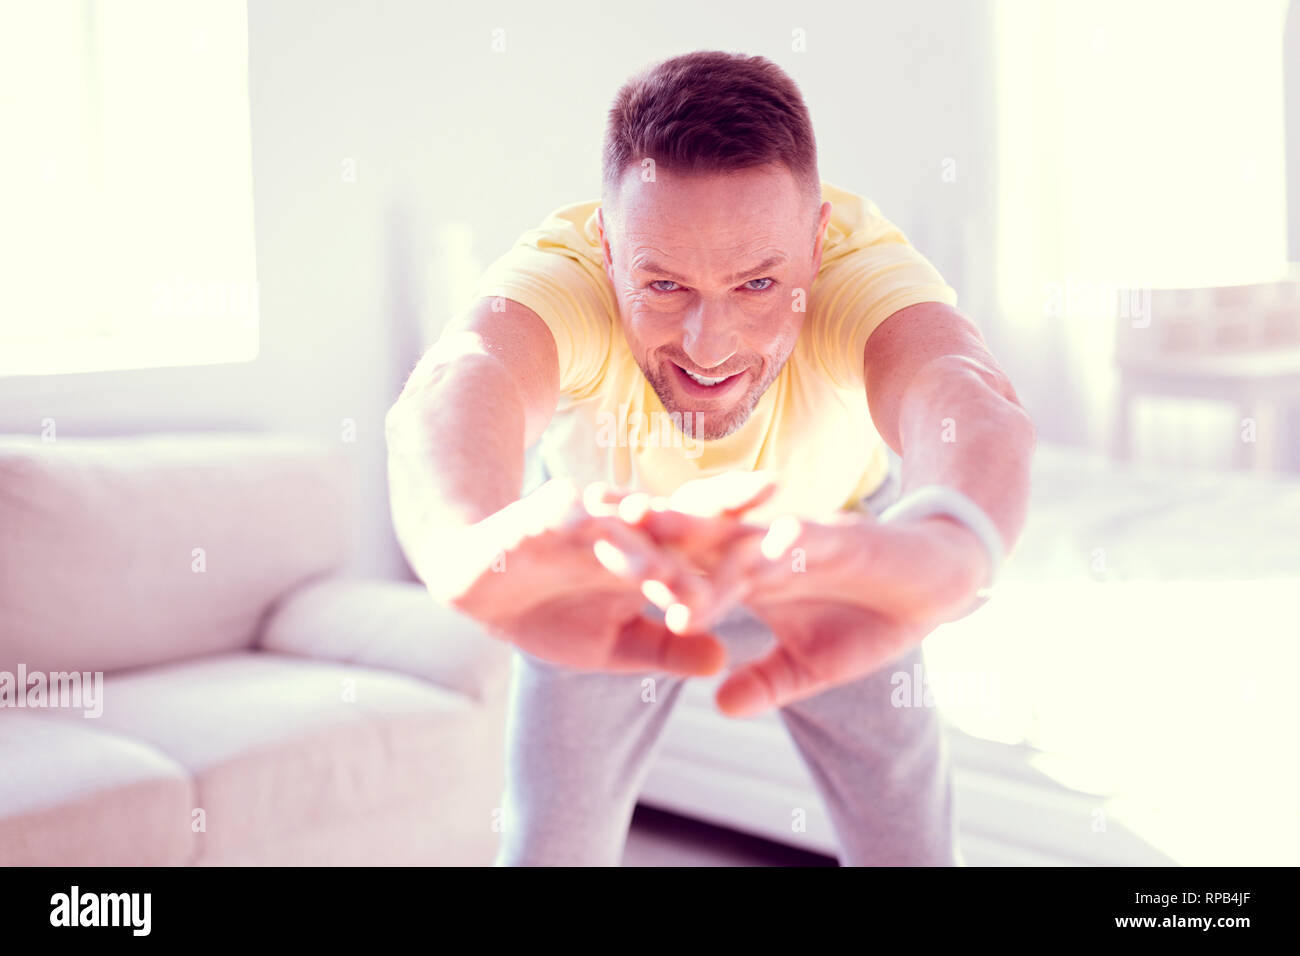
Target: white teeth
(705, 381)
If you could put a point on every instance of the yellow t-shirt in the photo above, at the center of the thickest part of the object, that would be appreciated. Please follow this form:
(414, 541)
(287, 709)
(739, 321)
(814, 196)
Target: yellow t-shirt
(812, 427)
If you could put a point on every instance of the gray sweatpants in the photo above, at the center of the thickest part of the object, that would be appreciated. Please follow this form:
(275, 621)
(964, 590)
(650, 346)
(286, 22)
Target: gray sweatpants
(580, 744)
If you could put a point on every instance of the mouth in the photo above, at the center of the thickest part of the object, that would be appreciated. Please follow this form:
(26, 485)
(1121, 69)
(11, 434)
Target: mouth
(705, 386)
(703, 380)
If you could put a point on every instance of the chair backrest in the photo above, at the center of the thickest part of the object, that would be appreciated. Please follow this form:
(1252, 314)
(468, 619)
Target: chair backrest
(1260, 317)
(127, 552)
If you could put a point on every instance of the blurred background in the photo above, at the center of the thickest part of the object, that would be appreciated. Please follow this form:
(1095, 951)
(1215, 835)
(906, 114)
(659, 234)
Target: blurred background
(224, 217)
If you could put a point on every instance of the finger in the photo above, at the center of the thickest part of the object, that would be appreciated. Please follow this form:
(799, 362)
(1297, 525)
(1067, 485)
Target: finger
(782, 536)
(663, 578)
(761, 491)
(751, 561)
(739, 574)
(757, 562)
(628, 554)
(643, 644)
(856, 645)
(677, 597)
(673, 527)
(728, 585)
(771, 681)
(634, 506)
(702, 540)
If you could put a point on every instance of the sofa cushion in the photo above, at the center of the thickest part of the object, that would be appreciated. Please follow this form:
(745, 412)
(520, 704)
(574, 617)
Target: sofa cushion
(74, 793)
(393, 625)
(281, 746)
(125, 552)
(432, 830)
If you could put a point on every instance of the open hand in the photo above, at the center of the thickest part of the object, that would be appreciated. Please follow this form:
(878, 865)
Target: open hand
(843, 596)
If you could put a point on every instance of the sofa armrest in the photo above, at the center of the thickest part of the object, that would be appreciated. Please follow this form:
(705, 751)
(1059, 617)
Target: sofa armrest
(392, 625)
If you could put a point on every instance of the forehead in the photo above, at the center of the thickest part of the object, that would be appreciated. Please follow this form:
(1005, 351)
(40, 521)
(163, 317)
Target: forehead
(678, 212)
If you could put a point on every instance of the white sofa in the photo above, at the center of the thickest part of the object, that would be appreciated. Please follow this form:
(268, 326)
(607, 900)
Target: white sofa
(256, 706)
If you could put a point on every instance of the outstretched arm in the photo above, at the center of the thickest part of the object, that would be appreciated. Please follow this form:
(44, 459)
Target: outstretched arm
(458, 431)
(938, 398)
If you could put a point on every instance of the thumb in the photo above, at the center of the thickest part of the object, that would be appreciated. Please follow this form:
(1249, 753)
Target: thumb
(644, 644)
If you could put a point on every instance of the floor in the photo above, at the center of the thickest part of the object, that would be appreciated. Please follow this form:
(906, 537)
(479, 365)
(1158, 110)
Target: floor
(657, 838)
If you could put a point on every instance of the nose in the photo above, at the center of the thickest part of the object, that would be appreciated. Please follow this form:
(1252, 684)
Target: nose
(710, 337)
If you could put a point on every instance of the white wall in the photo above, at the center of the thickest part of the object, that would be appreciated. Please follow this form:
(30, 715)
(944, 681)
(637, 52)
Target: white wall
(443, 132)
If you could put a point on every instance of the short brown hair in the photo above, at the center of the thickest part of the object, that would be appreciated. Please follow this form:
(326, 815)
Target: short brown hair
(710, 112)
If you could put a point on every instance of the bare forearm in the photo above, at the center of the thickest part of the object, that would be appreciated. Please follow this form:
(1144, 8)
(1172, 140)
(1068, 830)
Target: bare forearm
(455, 451)
(961, 425)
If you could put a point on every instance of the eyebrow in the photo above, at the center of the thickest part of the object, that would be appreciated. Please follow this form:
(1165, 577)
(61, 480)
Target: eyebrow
(768, 263)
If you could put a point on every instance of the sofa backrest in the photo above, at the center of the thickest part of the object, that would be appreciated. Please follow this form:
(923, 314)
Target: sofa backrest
(127, 552)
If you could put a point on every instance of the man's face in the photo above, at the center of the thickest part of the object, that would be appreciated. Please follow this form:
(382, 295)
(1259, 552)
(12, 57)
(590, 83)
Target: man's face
(706, 269)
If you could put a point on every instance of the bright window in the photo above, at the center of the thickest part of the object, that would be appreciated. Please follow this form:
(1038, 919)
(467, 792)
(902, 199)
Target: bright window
(126, 238)
(1140, 142)
(1141, 145)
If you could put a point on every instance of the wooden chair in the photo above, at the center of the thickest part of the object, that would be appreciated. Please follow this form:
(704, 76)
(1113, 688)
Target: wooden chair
(1238, 344)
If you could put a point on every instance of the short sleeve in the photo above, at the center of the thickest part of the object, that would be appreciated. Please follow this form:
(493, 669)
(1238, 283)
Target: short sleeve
(873, 273)
(571, 295)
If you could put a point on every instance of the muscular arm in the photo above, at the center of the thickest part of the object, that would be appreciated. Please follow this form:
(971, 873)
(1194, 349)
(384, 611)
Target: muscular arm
(940, 400)
(456, 437)
(458, 431)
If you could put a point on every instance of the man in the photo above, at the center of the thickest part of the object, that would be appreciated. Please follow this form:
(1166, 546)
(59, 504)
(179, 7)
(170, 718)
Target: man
(715, 358)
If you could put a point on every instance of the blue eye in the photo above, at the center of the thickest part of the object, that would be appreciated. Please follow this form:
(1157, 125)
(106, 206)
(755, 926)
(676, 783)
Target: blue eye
(657, 283)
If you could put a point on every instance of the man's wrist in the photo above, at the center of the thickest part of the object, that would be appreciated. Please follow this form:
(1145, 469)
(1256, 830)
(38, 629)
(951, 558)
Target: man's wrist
(965, 527)
(962, 540)
(930, 501)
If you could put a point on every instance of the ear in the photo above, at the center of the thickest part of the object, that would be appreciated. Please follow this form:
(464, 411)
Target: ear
(604, 243)
(822, 223)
